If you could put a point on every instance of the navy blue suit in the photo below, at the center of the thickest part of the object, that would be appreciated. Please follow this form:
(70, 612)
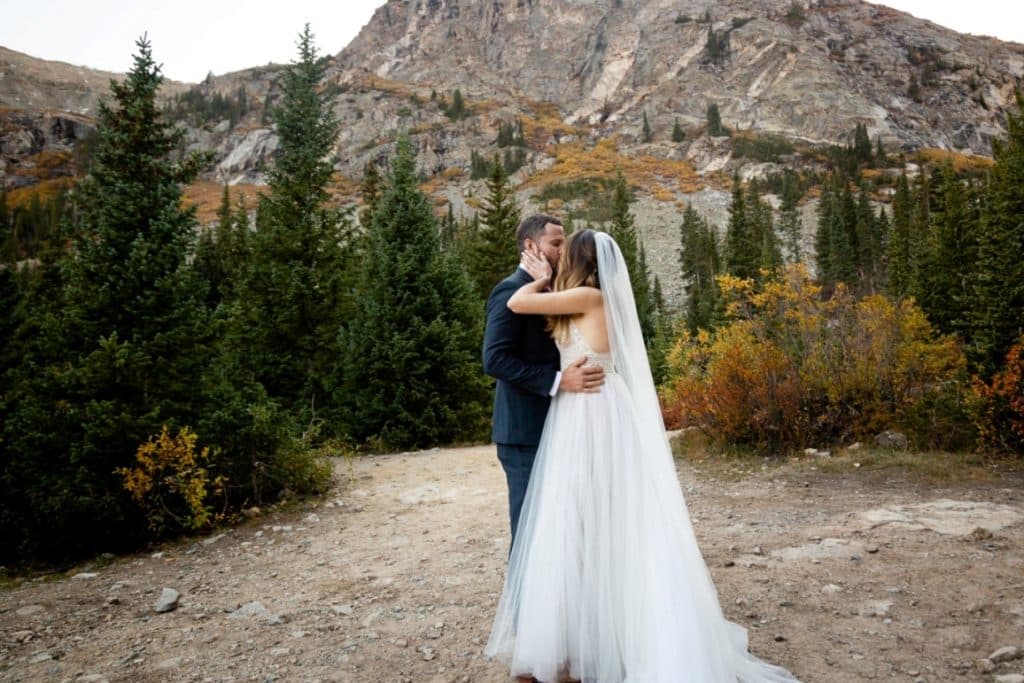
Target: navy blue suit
(521, 355)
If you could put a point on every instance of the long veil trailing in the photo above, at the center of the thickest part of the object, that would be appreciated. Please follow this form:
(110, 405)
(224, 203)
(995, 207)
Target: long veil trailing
(627, 342)
(606, 582)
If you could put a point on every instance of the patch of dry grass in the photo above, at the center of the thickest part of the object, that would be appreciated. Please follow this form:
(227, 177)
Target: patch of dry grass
(580, 160)
(206, 196)
(862, 462)
(546, 122)
(961, 162)
(45, 190)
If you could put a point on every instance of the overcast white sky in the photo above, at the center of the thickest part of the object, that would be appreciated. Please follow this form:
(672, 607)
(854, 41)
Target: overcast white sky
(193, 37)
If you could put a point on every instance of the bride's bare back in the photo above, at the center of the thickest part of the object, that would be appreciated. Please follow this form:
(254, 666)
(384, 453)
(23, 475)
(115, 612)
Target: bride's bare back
(594, 327)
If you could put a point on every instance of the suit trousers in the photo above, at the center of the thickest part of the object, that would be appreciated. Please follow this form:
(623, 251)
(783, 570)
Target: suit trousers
(517, 461)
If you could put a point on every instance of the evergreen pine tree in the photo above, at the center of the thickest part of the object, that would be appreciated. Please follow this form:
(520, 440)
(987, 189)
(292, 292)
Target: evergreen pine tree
(920, 227)
(845, 246)
(457, 109)
(211, 259)
(370, 189)
(900, 260)
(677, 132)
(664, 336)
(861, 143)
(119, 350)
(790, 223)
(762, 228)
(7, 246)
(622, 228)
(997, 300)
(492, 254)
(869, 246)
(742, 244)
(449, 230)
(823, 235)
(296, 292)
(699, 264)
(949, 259)
(646, 132)
(412, 374)
(715, 128)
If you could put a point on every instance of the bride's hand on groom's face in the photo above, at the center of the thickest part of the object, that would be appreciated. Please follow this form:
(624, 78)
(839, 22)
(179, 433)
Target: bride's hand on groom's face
(534, 263)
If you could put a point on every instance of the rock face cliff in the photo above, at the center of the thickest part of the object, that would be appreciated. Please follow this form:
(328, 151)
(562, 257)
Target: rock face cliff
(811, 74)
(579, 78)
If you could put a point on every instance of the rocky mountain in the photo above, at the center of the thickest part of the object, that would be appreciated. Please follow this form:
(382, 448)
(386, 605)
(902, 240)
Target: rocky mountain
(811, 73)
(577, 79)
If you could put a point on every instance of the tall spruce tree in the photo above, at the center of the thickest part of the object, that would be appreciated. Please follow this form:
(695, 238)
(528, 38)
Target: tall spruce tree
(742, 246)
(790, 223)
(677, 132)
(646, 132)
(714, 118)
(845, 245)
(119, 352)
(837, 241)
(296, 292)
(622, 228)
(900, 272)
(997, 301)
(412, 374)
(493, 254)
(214, 252)
(948, 261)
(699, 266)
(762, 226)
(447, 238)
(869, 240)
(920, 227)
(370, 189)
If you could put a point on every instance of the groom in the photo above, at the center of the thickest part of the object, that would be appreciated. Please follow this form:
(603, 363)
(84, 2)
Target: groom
(521, 355)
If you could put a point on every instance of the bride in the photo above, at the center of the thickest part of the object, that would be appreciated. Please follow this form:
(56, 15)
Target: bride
(606, 583)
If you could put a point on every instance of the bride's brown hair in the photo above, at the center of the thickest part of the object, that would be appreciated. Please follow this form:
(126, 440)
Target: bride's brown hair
(576, 268)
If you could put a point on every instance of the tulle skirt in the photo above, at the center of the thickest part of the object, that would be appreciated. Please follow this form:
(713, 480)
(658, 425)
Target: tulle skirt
(606, 583)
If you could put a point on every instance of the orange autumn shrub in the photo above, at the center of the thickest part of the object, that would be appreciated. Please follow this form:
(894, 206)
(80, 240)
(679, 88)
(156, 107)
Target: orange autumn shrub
(791, 369)
(1000, 414)
(753, 388)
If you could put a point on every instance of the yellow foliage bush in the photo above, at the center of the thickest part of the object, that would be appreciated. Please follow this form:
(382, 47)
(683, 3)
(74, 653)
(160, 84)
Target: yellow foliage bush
(171, 483)
(791, 369)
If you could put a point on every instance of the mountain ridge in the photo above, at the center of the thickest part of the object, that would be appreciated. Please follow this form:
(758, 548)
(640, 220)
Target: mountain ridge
(845, 62)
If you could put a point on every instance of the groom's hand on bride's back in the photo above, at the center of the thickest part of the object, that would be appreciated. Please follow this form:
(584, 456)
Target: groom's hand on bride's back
(580, 378)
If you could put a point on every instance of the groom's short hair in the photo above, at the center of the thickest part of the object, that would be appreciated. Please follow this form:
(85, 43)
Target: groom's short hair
(532, 227)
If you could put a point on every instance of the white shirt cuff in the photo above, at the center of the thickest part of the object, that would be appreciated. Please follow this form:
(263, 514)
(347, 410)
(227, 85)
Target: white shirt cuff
(558, 379)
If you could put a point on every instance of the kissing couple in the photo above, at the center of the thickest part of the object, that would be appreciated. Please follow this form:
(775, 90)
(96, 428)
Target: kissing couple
(605, 582)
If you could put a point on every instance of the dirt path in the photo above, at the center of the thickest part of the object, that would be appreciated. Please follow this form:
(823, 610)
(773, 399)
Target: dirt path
(395, 575)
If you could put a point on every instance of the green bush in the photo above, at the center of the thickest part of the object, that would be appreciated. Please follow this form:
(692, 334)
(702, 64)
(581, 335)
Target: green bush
(764, 147)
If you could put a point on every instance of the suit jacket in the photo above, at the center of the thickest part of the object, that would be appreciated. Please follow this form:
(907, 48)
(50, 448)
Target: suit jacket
(522, 356)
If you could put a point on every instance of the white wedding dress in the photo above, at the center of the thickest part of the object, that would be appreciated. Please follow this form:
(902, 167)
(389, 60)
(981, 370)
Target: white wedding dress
(606, 583)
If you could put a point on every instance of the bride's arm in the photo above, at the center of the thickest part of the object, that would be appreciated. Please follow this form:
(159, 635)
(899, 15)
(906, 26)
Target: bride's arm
(531, 299)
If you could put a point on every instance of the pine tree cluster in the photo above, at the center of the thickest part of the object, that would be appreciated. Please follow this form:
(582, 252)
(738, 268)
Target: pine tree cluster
(257, 341)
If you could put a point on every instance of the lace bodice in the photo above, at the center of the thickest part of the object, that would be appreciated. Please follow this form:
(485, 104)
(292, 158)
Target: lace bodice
(577, 346)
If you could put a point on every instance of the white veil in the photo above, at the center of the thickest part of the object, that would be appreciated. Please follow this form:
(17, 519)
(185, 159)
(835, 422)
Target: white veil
(627, 342)
(669, 544)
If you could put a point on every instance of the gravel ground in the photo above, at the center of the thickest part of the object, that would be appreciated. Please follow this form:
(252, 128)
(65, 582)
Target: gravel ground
(393, 577)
